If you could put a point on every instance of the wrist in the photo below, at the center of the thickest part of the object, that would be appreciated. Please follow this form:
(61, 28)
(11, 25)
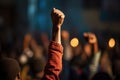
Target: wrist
(57, 26)
(56, 34)
(56, 29)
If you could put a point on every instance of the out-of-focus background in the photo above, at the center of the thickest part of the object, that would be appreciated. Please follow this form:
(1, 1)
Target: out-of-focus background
(25, 27)
(18, 17)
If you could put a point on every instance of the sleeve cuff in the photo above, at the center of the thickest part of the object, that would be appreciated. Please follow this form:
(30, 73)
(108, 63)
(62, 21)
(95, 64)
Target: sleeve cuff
(56, 46)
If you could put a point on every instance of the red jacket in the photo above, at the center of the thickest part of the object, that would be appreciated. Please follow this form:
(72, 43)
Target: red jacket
(54, 63)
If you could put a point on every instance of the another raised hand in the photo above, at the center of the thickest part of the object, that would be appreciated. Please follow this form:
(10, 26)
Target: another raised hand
(92, 39)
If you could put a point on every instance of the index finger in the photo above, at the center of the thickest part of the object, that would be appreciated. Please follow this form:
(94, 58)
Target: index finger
(85, 34)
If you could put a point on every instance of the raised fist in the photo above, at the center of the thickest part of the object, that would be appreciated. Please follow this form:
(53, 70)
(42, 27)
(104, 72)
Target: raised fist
(91, 38)
(57, 17)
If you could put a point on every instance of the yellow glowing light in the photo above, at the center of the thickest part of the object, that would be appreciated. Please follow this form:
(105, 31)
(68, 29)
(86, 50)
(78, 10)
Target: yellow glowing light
(111, 42)
(74, 42)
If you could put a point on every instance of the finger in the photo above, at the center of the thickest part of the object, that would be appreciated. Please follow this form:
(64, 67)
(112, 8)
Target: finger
(53, 8)
(90, 33)
(85, 34)
(57, 11)
(62, 16)
(53, 11)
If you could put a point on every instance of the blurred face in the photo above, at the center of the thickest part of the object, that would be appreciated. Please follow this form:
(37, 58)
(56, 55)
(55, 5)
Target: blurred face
(33, 43)
(65, 35)
(28, 37)
(87, 49)
(77, 50)
(38, 52)
(27, 40)
(44, 37)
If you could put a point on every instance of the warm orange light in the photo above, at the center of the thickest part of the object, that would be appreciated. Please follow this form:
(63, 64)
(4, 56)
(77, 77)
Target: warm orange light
(23, 59)
(74, 42)
(111, 42)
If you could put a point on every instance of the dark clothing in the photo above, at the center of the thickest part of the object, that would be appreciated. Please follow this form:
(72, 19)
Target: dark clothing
(9, 69)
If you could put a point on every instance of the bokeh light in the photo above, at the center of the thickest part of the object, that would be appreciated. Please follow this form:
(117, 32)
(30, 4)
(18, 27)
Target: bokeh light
(74, 42)
(23, 59)
(111, 42)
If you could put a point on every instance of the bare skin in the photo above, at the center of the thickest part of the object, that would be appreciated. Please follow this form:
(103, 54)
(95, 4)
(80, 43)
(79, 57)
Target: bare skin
(57, 21)
(92, 39)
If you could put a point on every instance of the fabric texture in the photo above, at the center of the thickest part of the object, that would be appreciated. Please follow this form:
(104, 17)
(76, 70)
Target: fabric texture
(54, 63)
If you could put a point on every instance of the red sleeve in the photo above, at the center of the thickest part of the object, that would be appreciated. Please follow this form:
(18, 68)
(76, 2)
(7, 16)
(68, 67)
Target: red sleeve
(54, 64)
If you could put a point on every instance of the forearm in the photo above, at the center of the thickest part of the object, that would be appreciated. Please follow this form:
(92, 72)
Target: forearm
(95, 63)
(54, 63)
(56, 34)
(95, 47)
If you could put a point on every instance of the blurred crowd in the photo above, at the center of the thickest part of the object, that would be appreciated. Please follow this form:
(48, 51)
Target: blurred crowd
(85, 61)
(25, 38)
